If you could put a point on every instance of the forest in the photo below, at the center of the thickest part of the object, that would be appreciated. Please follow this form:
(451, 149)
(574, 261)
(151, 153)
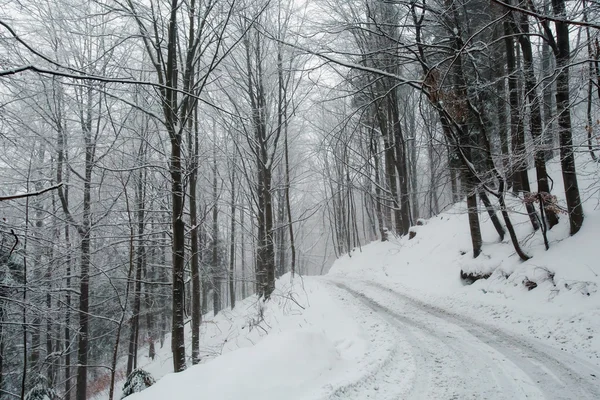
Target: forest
(162, 159)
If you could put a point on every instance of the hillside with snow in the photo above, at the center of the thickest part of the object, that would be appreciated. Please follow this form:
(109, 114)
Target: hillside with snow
(395, 320)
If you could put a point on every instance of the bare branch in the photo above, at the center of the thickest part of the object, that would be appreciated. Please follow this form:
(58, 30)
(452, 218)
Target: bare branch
(30, 194)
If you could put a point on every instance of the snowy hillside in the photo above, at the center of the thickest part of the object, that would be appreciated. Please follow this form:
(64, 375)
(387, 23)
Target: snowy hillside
(395, 319)
(552, 297)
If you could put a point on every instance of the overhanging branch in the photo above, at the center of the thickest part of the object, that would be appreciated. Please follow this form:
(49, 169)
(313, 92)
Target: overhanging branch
(30, 194)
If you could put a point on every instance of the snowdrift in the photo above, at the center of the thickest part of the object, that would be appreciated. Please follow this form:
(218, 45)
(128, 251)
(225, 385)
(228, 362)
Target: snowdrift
(300, 344)
(282, 365)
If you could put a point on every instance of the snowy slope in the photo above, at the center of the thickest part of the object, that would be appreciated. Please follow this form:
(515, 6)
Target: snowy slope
(564, 308)
(293, 362)
(394, 320)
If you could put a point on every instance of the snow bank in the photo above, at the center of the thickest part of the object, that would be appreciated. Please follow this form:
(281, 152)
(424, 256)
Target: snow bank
(287, 365)
(303, 334)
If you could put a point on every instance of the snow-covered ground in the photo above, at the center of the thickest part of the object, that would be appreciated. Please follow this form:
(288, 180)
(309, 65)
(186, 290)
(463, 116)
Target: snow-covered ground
(301, 344)
(393, 320)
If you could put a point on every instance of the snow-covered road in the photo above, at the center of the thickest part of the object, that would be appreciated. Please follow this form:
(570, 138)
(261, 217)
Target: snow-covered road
(440, 355)
(347, 338)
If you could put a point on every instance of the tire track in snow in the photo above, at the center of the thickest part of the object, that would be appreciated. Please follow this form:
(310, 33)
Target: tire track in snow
(459, 358)
(383, 372)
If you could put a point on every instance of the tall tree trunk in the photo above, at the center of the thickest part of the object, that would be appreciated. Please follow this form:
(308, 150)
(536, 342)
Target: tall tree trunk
(567, 158)
(172, 123)
(85, 233)
(401, 163)
(513, 96)
(390, 164)
(137, 284)
(25, 286)
(36, 323)
(265, 255)
(547, 90)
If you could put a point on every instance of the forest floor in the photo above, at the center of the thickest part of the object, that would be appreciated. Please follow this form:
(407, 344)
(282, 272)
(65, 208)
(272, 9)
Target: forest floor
(393, 320)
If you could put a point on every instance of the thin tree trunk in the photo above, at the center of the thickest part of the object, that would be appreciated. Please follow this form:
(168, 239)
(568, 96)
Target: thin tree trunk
(270, 250)
(67, 331)
(288, 201)
(232, 241)
(519, 177)
(2, 340)
(474, 226)
(25, 285)
(414, 186)
(195, 261)
(434, 208)
(243, 255)
(215, 273)
(378, 196)
(590, 92)
(115, 354)
(164, 307)
(390, 165)
(535, 118)
(503, 122)
(148, 295)
(492, 213)
(205, 277)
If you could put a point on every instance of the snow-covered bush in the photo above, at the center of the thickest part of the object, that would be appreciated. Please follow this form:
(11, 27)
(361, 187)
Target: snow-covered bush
(137, 381)
(41, 390)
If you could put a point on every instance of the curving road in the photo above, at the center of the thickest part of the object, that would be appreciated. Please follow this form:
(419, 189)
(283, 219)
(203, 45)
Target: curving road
(441, 355)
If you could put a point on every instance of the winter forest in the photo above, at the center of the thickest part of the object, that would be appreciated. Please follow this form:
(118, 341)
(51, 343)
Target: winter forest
(162, 160)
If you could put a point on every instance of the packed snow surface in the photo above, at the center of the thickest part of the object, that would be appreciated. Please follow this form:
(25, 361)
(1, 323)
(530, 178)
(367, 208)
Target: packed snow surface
(393, 320)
